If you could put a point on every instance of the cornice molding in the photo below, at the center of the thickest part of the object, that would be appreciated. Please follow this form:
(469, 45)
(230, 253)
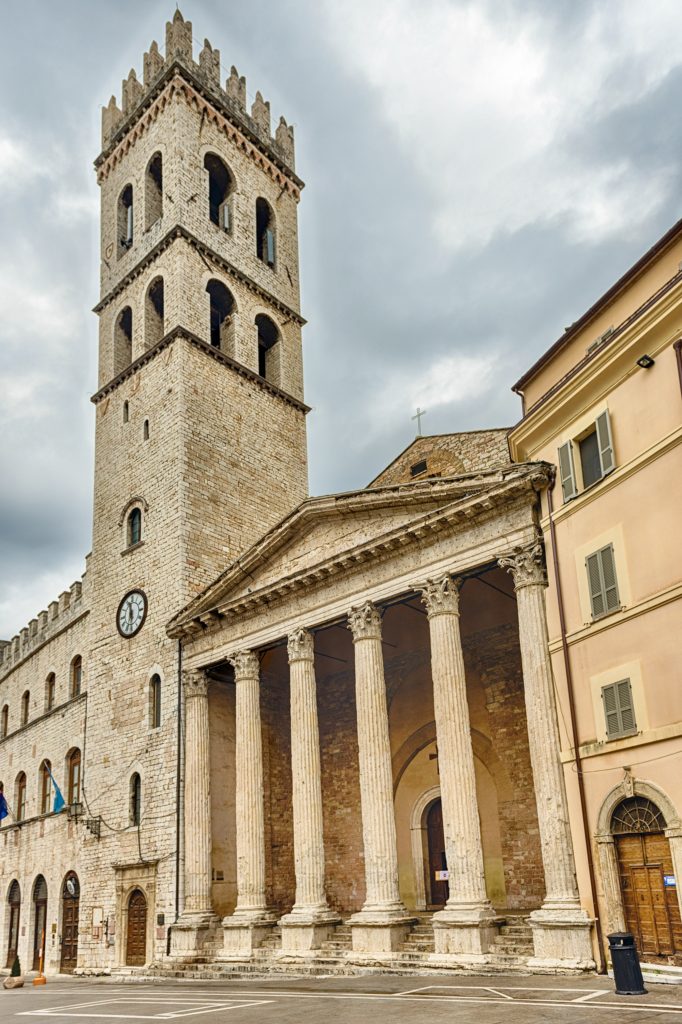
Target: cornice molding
(207, 610)
(209, 350)
(179, 231)
(178, 80)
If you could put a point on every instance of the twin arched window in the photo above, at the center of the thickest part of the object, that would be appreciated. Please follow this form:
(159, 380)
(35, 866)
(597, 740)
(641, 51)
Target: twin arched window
(220, 188)
(45, 787)
(73, 775)
(25, 703)
(4, 721)
(265, 232)
(20, 797)
(50, 688)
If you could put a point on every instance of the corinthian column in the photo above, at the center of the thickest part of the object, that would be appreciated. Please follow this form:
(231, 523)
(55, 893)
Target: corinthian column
(382, 922)
(465, 926)
(192, 930)
(245, 929)
(309, 922)
(197, 796)
(561, 929)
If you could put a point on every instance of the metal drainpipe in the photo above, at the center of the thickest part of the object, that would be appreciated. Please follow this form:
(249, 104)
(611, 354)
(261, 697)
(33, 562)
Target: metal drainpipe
(574, 730)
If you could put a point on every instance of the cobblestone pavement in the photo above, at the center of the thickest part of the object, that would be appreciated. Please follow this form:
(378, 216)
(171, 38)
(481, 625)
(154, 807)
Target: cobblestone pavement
(345, 1000)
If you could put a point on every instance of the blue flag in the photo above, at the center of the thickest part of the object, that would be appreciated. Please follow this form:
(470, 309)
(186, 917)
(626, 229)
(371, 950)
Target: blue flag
(59, 800)
(4, 809)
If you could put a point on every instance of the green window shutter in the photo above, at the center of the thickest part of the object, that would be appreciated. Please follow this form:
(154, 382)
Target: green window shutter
(605, 442)
(567, 471)
(619, 713)
(595, 585)
(608, 569)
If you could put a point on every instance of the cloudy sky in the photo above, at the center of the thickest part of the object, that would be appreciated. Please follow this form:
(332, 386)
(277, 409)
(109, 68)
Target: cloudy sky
(477, 174)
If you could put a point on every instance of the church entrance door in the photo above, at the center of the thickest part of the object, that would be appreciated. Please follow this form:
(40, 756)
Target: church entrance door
(14, 911)
(436, 888)
(70, 906)
(136, 939)
(652, 910)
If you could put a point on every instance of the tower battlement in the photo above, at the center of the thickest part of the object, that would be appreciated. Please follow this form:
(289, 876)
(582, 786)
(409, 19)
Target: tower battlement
(178, 51)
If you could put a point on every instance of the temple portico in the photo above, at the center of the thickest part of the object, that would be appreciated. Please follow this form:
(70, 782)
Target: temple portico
(332, 725)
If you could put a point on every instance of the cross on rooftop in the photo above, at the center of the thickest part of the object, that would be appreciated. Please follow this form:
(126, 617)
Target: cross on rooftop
(418, 418)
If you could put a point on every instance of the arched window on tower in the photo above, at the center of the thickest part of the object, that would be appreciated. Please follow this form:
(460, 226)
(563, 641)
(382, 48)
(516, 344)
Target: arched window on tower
(155, 701)
(268, 349)
(73, 775)
(153, 191)
(221, 319)
(50, 686)
(76, 675)
(25, 701)
(219, 192)
(4, 721)
(154, 313)
(135, 799)
(123, 340)
(125, 220)
(265, 232)
(20, 797)
(134, 527)
(45, 787)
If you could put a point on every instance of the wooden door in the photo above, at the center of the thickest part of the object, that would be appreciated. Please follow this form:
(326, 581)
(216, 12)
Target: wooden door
(13, 937)
(436, 840)
(136, 939)
(69, 958)
(652, 910)
(39, 933)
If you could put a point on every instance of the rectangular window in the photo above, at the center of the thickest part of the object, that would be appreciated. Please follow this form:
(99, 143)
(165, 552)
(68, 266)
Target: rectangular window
(595, 449)
(270, 247)
(619, 713)
(601, 577)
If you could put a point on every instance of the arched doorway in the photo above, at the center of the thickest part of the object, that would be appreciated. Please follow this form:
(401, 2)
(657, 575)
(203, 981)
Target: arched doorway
(14, 900)
(136, 936)
(70, 904)
(647, 878)
(39, 920)
(437, 888)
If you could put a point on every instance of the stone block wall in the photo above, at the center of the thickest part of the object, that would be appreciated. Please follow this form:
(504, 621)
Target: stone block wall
(447, 455)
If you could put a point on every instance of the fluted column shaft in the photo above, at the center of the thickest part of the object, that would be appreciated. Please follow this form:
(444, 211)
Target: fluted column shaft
(527, 568)
(306, 781)
(461, 826)
(250, 820)
(197, 795)
(376, 778)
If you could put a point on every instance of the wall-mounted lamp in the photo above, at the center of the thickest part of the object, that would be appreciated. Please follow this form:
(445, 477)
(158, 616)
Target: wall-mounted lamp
(646, 362)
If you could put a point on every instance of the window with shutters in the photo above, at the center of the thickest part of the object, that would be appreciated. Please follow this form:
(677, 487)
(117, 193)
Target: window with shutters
(265, 232)
(586, 459)
(603, 585)
(220, 190)
(619, 713)
(125, 220)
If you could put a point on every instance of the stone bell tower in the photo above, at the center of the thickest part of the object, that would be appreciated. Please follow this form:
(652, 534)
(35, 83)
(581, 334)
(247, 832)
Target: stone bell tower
(200, 442)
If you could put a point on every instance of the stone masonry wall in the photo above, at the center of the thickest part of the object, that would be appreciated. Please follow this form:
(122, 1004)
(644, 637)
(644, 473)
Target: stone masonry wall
(447, 455)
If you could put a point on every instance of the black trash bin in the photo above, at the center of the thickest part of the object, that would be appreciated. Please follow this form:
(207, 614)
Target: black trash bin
(627, 973)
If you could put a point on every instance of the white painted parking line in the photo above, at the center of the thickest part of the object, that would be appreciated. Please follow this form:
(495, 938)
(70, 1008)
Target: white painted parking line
(192, 1008)
(590, 995)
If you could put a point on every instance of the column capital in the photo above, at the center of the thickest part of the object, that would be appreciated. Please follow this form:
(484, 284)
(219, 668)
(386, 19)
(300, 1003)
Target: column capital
(300, 645)
(526, 564)
(245, 663)
(195, 682)
(441, 596)
(364, 622)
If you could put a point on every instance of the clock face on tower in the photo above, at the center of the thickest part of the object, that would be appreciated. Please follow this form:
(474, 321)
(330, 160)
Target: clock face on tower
(132, 612)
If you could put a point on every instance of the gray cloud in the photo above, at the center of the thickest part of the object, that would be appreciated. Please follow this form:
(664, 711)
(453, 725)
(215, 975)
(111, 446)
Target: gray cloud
(460, 212)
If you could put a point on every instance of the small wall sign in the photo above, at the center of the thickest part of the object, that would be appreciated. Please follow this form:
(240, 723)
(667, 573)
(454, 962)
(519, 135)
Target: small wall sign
(442, 876)
(669, 881)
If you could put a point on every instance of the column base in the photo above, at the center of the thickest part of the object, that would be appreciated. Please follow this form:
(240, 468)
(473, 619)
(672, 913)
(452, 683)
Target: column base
(244, 932)
(562, 939)
(192, 932)
(305, 930)
(465, 932)
(380, 931)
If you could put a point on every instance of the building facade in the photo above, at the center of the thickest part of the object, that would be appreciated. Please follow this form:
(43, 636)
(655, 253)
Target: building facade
(285, 728)
(604, 405)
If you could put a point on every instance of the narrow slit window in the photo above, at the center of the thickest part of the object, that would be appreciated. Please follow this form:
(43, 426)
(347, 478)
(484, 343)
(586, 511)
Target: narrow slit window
(134, 527)
(154, 190)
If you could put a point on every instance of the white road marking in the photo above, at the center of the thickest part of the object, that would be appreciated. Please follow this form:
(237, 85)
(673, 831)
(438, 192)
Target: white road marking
(590, 995)
(195, 1007)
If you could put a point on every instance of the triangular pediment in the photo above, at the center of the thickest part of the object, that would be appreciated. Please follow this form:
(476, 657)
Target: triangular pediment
(339, 529)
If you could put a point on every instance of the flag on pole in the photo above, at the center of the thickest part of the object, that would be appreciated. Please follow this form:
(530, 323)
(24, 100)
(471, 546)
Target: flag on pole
(59, 800)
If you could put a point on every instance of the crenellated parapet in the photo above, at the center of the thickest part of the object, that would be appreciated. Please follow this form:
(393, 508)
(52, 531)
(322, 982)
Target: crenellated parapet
(59, 614)
(136, 95)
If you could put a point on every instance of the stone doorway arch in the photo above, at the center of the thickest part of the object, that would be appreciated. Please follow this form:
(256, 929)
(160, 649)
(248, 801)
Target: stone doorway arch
(14, 912)
(70, 912)
(420, 847)
(39, 921)
(633, 809)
